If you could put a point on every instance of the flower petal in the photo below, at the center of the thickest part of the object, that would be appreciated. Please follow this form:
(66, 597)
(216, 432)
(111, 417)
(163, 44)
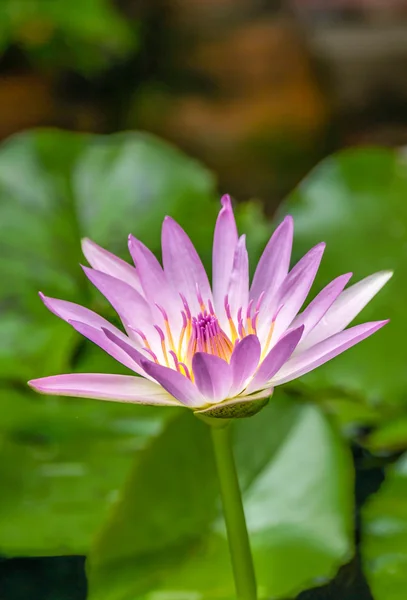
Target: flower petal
(317, 355)
(101, 386)
(316, 309)
(275, 359)
(183, 266)
(213, 376)
(131, 307)
(238, 289)
(243, 362)
(346, 307)
(275, 261)
(108, 341)
(125, 345)
(176, 384)
(105, 261)
(69, 311)
(154, 281)
(90, 324)
(224, 244)
(294, 290)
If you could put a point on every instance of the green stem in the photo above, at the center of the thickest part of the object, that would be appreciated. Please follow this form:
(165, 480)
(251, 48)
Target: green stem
(239, 545)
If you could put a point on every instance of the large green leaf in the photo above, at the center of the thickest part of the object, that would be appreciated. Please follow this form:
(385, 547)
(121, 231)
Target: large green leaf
(356, 202)
(162, 539)
(384, 542)
(62, 464)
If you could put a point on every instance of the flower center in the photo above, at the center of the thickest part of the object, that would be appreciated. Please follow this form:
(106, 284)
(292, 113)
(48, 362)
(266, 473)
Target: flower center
(202, 333)
(207, 336)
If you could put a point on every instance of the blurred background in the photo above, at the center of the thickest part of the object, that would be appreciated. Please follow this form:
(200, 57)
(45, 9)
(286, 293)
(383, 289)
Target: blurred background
(259, 91)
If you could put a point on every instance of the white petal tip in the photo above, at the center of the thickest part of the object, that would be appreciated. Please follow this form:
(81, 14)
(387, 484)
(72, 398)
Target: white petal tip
(386, 275)
(133, 241)
(36, 386)
(88, 248)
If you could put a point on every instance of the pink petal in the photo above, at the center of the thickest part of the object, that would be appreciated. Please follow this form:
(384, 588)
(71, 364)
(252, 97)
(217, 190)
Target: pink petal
(213, 376)
(176, 384)
(346, 307)
(317, 355)
(154, 281)
(68, 311)
(90, 324)
(244, 361)
(183, 266)
(116, 388)
(131, 307)
(110, 345)
(124, 343)
(274, 263)
(294, 290)
(275, 359)
(238, 289)
(102, 260)
(224, 244)
(314, 312)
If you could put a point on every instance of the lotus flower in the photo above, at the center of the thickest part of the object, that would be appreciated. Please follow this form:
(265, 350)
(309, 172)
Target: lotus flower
(217, 350)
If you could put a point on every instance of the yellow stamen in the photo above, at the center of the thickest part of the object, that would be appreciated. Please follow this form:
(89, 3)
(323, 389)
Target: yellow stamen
(169, 335)
(233, 331)
(225, 346)
(181, 339)
(183, 370)
(165, 352)
(270, 334)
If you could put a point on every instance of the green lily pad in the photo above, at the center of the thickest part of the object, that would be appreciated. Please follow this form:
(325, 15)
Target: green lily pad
(62, 465)
(355, 202)
(391, 436)
(163, 541)
(384, 542)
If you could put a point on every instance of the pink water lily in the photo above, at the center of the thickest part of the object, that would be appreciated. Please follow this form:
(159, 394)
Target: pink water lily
(190, 344)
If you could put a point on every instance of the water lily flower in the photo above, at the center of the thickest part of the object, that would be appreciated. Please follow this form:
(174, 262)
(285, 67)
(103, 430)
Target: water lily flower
(217, 350)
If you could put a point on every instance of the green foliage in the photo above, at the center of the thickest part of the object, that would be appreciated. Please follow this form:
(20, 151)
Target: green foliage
(63, 462)
(62, 466)
(385, 536)
(169, 540)
(355, 202)
(56, 187)
(56, 32)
